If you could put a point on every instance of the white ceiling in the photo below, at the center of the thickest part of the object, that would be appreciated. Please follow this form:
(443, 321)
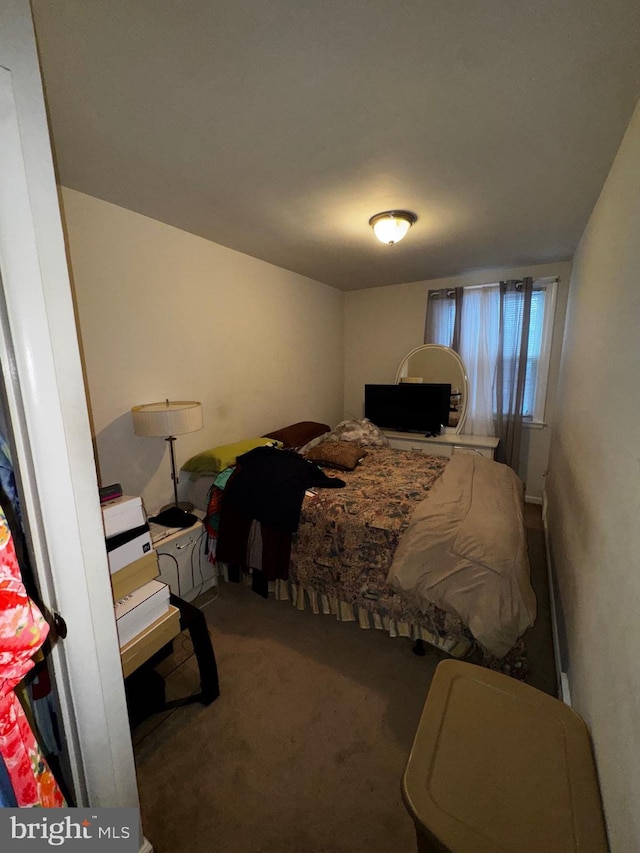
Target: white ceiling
(279, 127)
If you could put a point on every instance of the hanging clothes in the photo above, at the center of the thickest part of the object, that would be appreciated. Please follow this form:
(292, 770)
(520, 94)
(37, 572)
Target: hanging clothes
(7, 477)
(23, 630)
(36, 694)
(211, 520)
(7, 797)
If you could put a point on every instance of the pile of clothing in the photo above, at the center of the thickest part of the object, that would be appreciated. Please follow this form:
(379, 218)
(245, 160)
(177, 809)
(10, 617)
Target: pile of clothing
(254, 508)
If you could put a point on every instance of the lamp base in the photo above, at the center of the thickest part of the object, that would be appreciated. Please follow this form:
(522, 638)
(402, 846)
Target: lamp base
(174, 516)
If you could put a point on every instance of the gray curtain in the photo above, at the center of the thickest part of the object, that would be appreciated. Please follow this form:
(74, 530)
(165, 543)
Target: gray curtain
(444, 317)
(511, 367)
(443, 325)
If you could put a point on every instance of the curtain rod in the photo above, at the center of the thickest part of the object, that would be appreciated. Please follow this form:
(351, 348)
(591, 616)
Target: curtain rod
(449, 293)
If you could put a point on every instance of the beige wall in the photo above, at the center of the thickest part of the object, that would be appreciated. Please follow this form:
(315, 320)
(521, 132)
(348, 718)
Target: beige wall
(165, 314)
(593, 489)
(383, 324)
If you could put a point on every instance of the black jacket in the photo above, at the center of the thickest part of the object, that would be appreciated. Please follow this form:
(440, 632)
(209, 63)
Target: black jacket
(269, 485)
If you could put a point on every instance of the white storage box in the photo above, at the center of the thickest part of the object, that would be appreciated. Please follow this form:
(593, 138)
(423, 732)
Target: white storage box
(126, 547)
(136, 611)
(120, 514)
(150, 641)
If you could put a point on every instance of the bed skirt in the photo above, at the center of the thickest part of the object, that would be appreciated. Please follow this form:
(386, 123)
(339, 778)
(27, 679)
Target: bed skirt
(302, 597)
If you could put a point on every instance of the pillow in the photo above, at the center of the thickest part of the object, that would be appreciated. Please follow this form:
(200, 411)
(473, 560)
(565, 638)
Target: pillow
(198, 491)
(299, 434)
(361, 431)
(216, 459)
(336, 454)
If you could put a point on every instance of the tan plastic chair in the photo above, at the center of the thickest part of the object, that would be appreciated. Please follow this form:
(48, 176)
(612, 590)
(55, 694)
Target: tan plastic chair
(497, 765)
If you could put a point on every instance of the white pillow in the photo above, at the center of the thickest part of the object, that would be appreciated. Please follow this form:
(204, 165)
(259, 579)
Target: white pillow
(360, 431)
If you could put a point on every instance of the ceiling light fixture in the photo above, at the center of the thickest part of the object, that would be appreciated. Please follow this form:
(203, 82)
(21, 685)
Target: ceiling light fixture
(391, 226)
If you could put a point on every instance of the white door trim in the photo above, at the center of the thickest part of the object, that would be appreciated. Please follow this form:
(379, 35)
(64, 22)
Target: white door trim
(48, 411)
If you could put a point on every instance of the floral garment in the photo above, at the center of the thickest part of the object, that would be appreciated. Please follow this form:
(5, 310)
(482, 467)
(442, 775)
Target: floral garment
(23, 630)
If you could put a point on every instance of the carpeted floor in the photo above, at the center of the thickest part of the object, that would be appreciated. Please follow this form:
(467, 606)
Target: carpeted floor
(304, 750)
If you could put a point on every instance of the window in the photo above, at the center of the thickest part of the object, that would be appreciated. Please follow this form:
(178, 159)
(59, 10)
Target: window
(440, 324)
(543, 300)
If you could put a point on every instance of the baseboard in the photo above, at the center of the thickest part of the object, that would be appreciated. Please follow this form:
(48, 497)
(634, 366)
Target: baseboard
(533, 499)
(563, 679)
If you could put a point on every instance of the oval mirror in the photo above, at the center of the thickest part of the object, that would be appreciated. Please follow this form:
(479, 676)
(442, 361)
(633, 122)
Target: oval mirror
(437, 363)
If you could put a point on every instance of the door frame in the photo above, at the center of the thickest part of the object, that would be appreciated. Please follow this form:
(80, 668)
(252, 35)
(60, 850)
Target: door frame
(51, 433)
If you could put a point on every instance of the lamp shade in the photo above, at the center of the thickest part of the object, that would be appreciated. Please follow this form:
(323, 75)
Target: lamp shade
(173, 417)
(392, 225)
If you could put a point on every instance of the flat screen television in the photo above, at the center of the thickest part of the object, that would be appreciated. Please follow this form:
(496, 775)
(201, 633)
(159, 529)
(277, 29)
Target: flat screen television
(409, 406)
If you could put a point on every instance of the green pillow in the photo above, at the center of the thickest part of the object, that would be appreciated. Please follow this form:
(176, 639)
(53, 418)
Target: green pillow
(216, 459)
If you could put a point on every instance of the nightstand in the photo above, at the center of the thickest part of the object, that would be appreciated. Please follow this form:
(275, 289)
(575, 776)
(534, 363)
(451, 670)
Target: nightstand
(183, 563)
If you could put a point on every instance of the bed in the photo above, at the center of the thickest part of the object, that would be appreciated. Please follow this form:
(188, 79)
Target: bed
(423, 547)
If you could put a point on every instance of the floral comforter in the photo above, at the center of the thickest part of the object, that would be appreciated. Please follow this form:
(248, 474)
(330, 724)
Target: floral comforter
(347, 537)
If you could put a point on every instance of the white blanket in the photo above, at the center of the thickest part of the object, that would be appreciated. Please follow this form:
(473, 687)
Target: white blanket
(465, 551)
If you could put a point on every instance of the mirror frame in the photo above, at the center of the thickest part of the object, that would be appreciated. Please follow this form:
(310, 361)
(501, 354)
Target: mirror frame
(459, 364)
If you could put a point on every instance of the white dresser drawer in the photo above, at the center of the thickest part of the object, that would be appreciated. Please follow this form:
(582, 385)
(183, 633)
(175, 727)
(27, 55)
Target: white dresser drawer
(183, 564)
(420, 445)
(443, 445)
(479, 451)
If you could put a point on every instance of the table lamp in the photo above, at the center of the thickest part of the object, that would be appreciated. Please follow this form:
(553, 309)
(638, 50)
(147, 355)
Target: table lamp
(168, 420)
